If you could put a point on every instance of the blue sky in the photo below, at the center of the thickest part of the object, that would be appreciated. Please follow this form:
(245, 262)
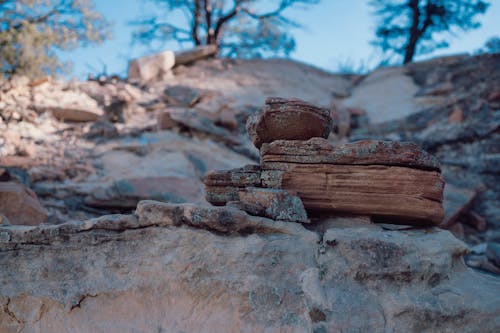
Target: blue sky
(336, 31)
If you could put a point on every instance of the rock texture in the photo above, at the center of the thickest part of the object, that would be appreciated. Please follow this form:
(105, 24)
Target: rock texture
(173, 268)
(20, 205)
(387, 180)
(223, 186)
(273, 203)
(363, 152)
(151, 67)
(288, 119)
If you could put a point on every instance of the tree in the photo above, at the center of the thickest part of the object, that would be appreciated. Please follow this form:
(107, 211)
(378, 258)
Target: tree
(492, 45)
(240, 28)
(411, 27)
(33, 31)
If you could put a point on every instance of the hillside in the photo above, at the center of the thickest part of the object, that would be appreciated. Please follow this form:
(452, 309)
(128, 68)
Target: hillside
(86, 150)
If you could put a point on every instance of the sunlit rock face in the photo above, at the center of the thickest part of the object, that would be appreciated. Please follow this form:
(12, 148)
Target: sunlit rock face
(189, 268)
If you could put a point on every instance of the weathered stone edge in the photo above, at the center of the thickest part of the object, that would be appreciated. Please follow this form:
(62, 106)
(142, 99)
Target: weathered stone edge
(149, 213)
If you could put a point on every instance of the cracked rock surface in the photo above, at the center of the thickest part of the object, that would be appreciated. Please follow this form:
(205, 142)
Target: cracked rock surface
(191, 268)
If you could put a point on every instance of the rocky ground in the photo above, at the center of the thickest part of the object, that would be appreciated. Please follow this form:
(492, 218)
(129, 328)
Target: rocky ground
(71, 153)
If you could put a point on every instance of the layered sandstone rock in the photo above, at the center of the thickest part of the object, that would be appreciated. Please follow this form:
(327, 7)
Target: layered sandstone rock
(223, 186)
(288, 119)
(390, 181)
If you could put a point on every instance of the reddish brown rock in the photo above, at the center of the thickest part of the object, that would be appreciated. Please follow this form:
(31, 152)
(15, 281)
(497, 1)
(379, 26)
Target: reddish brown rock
(288, 119)
(20, 205)
(365, 152)
(388, 193)
(276, 204)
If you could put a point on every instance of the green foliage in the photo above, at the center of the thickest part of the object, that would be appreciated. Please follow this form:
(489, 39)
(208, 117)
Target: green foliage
(240, 28)
(33, 31)
(410, 27)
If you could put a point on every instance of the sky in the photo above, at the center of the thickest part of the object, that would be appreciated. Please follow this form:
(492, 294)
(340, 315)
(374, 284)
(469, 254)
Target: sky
(335, 32)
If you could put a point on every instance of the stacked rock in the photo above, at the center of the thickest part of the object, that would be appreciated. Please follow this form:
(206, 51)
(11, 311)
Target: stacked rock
(390, 181)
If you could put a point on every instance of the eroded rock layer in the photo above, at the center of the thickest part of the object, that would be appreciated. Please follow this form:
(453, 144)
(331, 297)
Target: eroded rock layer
(189, 268)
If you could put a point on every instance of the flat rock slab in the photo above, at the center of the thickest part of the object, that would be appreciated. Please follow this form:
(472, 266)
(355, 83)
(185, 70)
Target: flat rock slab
(388, 193)
(20, 205)
(223, 186)
(364, 152)
(288, 119)
(276, 204)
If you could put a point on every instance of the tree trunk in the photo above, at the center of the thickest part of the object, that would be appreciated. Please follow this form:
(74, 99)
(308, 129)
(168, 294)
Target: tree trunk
(414, 32)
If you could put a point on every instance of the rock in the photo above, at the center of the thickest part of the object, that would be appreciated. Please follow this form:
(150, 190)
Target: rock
(288, 119)
(192, 120)
(390, 181)
(189, 56)
(456, 202)
(68, 106)
(152, 67)
(364, 152)
(493, 253)
(102, 129)
(249, 175)
(371, 95)
(20, 205)
(4, 220)
(273, 203)
(175, 268)
(457, 116)
(163, 166)
(387, 193)
(181, 96)
(223, 186)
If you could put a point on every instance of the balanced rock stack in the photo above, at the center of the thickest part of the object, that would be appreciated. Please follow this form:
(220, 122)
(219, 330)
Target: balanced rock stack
(392, 182)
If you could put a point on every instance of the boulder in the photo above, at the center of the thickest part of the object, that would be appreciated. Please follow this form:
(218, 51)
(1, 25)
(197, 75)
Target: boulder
(189, 268)
(390, 181)
(20, 205)
(276, 204)
(288, 119)
(152, 67)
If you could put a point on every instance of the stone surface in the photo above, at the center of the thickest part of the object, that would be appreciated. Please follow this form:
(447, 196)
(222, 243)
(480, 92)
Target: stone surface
(152, 67)
(493, 253)
(223, 186)
(20, 205)
(389, 193)
(186, 268)
(163, 166)
(181, 96)
(68, 106)
(288, 119)
(364, 152)
(189, 56)
(273, 203)
(194, 121)
(456, 202)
